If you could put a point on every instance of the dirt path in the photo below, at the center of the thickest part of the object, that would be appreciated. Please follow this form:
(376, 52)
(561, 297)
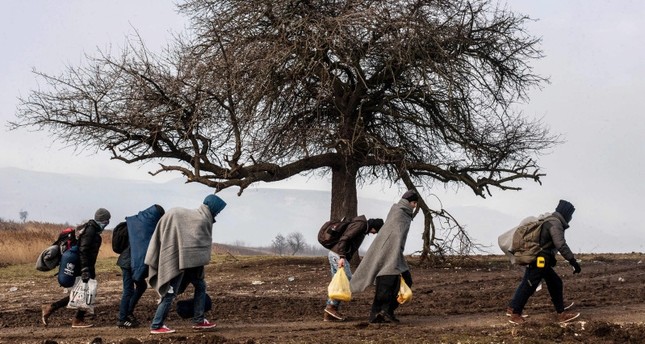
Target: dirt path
(276, 331)
(462, 302)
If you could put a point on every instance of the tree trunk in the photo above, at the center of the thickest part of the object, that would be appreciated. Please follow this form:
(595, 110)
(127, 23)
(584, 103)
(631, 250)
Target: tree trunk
(344, 200)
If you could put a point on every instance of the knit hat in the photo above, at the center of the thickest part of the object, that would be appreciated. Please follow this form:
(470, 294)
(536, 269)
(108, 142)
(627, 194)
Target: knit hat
(565, 209)
(411, 196)
(102, 215)
(374, 223)
(215, 204)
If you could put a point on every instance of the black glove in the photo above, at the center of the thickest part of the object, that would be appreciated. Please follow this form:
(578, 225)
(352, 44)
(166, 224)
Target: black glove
(576, 266)
(85, 275)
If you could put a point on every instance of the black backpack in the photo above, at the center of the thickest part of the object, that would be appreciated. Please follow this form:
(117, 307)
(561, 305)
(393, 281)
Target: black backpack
(331, 231)
(120, 240)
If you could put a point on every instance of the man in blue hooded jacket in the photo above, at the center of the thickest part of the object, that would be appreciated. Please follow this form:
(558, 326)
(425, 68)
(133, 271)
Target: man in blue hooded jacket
(131, 261)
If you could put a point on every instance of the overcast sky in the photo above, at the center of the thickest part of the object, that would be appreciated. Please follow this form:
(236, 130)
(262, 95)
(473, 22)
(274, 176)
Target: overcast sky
(594, 59)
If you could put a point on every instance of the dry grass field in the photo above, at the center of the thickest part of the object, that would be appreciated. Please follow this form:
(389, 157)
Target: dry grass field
(21, 243)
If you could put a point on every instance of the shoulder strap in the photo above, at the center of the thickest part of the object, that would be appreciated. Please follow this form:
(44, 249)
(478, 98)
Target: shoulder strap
(543, 222)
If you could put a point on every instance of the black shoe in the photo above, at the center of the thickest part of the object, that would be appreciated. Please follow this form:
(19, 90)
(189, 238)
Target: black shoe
(381, 317)
(377, 318)
(125, 324)
(394, 319)
(133, 320)
(387, 317)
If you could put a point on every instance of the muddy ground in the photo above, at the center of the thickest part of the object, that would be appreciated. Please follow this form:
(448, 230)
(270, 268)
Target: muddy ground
(281, 300)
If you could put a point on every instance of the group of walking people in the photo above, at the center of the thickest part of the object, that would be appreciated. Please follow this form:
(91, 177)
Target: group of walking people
(169, 249)
(384, 264)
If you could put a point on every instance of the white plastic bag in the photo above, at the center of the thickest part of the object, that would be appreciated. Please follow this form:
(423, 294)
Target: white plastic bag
(83, 295)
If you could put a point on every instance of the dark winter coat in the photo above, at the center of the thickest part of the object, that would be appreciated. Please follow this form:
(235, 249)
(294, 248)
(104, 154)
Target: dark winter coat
(352, 238)
(552, 238)
(89, 243)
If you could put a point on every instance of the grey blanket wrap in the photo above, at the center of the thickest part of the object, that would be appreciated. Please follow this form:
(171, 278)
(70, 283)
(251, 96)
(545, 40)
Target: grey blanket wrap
(182, 239)
(385, 254)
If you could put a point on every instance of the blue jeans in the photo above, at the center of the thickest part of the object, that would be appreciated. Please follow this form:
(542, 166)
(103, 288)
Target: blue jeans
(333, 264)
(195, 276)
(532, 277)
(189, 276)
(132, 291)
(164, 305)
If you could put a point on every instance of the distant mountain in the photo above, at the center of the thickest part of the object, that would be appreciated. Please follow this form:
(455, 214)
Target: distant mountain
(253, 219)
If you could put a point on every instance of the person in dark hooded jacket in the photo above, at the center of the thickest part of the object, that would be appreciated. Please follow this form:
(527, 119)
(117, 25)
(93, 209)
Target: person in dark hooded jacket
(341, 254)
(552, 241)
(140, 228)
(88, 237)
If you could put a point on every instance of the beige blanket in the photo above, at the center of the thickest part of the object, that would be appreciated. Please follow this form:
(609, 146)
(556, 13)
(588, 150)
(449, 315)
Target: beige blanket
(182, 239)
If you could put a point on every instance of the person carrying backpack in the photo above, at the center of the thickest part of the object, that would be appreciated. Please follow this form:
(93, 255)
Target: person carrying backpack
(139, 229)
(552, 241)
(384, 262)
(88, 238)
(341, 254)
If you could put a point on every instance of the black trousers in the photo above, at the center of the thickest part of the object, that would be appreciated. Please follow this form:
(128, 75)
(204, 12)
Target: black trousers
(387, 289)
(532, 277)
(62, 303)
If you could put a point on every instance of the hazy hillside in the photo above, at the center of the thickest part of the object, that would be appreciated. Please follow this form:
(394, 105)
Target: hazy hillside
(253, 219)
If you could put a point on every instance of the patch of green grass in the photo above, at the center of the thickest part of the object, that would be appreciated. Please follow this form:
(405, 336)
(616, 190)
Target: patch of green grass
(23, 271)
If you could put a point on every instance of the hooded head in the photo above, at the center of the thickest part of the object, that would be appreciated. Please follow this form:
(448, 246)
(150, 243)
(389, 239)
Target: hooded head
(411, 196)
(152, 214)
(160, 210)
(375, 224)
(214, 204)
(565, 209)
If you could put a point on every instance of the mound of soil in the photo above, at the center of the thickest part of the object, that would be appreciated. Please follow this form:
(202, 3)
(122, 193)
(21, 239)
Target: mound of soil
(265, 299)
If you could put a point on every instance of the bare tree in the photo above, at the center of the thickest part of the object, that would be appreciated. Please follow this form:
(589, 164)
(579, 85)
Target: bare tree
(296, 242)
(23, 215)
(279, 244)
(414, 92)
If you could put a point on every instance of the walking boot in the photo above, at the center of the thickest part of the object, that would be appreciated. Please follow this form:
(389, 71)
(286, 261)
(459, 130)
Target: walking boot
(47, 310)
(80, 323)
(565, 317)
(333, 312)
(327, 317)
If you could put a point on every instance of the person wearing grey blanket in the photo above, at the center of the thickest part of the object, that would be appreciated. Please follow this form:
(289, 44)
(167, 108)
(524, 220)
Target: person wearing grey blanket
(384, 263)
(180, 248)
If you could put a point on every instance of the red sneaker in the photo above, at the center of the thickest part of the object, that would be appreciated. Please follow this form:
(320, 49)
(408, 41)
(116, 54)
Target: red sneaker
(163, 329)
(204, 325)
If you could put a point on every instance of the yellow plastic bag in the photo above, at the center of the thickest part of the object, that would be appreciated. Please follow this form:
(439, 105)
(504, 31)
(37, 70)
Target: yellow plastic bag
(339, 287)
(405, 293)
